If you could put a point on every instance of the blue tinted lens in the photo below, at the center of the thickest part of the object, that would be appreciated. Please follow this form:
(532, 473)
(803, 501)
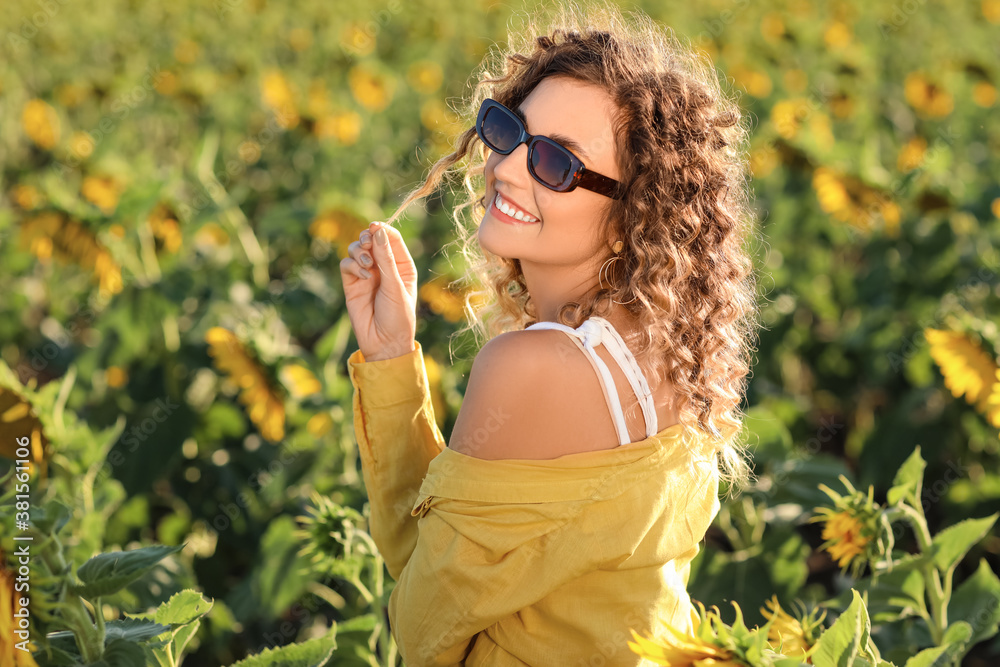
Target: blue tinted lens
(500, 130)
(550, 164)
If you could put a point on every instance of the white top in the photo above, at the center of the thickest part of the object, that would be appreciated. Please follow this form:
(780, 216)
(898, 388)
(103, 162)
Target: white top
(594, 331)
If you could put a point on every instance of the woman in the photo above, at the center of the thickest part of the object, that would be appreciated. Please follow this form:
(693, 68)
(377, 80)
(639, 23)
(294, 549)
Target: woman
(602, 412)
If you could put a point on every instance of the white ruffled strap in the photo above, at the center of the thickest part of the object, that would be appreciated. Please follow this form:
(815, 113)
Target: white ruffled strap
(593, 335)
(619, 350)
(590, 334)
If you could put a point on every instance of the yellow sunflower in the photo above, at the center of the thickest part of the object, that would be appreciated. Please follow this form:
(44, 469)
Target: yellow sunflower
(319, 424)
(338, 227)
(344, 127)
(837, 35)
(116, 377)
(163, 223)
(211, 234)
(166, 83)
(928, 97)
(300, 381)
(681, 649)
(101, 191)
(993, 403)
(300, 39)
(967, 369)
(51, 233)
(357, 38)
(984, 94)
(849, 200)
(912, 154)
(40, 123)
(72, 95)
(187, 51)
(26, 196)
(279, 95)
(842, 105)
(10, 604)
(264, 405)
(843, 532)
(754, 81)
(991, 10)
(787, 116)
(81, 144)
(372, 90)
(425, 76)
(794, 637)
(772, 27)
(442, 301)
(18, 420)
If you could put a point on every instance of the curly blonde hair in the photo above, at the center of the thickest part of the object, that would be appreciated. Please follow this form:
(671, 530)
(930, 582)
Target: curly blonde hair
(682, 152)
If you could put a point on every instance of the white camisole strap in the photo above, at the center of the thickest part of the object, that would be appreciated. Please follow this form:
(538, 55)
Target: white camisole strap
(593, 332)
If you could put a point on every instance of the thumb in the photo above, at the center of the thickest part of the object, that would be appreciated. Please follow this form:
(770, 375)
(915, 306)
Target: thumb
(386, 261)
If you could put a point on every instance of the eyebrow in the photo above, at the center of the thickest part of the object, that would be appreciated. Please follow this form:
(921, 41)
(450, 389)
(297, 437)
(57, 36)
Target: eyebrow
(562, 139)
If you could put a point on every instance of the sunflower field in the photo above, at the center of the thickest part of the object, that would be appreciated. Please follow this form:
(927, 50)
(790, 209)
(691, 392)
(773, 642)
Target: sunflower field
(179, 181)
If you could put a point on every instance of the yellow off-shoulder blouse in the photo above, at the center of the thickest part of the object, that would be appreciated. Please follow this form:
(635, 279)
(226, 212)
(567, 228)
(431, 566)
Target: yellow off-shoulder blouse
(522, 561)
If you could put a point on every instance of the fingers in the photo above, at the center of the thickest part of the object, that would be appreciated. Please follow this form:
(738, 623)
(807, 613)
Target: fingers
(385, 237)
(349, 266)
(396, 242)
(369, 254)
(359, 260)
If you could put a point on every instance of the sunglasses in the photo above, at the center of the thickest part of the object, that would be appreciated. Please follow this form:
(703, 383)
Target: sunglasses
(549, 162)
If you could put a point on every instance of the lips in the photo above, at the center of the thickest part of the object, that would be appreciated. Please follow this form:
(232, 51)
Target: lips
(515, 210)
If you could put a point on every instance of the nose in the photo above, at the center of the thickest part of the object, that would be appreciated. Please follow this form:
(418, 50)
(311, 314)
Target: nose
(513, 169)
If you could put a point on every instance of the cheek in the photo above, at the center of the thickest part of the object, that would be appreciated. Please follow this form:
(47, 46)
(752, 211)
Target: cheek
(489, 169)
(574, 222)
(549, 202)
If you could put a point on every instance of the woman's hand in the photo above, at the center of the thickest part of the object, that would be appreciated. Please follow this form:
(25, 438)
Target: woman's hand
(382, 306)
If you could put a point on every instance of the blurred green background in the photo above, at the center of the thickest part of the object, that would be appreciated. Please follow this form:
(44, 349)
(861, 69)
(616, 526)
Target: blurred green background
(170, 168)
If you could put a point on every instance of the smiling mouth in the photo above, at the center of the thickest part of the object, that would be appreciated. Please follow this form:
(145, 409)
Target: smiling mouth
(506, 217)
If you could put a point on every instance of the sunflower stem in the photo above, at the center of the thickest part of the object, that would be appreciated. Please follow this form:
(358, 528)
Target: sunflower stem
(89, 639)
(99, 615)
(932, 577)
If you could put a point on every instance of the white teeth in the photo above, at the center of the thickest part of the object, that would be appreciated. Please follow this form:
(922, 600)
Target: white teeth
(512, 212)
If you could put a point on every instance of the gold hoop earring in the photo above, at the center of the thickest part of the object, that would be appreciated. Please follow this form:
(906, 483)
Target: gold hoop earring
(617, 249)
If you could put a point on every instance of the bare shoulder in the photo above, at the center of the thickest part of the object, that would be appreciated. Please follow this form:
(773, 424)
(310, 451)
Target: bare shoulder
(527, 397)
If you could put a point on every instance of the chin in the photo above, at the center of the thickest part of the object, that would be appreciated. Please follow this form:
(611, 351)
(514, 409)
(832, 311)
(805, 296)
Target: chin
(486, 235)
